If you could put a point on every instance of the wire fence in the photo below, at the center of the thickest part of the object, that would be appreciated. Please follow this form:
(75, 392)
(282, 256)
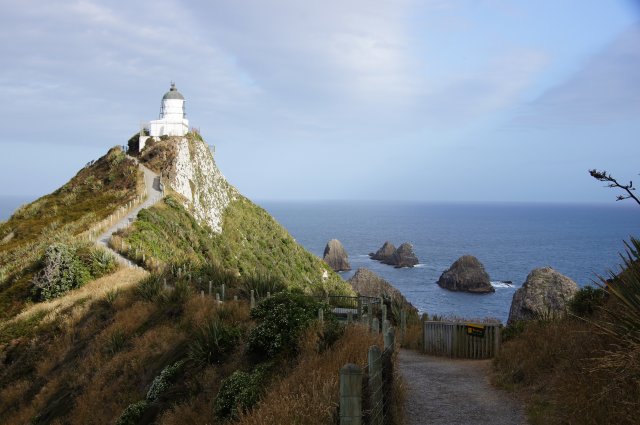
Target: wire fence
(366, 391)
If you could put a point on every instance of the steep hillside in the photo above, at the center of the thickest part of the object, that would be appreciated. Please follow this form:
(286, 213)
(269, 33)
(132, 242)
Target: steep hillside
(138, 347)
(206, 221)
(93, 194)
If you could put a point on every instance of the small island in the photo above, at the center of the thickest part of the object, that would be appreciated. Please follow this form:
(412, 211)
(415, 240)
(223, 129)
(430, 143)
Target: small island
(466, 274)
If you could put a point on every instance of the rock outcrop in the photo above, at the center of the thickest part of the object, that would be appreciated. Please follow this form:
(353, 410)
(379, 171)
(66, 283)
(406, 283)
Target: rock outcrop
(545, 293)
(336, 256)
(188, 168)
(404, 256)
(466, 274)
(385, 253)
(369, 284)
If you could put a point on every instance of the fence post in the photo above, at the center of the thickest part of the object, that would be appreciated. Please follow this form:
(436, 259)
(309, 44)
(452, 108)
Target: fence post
(218, 297)
(389, 339)
(349, 317)
(403, 322)
(385, 326)
(359, 308)
(224, 292)
(350, 395)
(375, 328)
(375, 385)
(210, 287)
(253, 299)
(321, 314)
(497, 339)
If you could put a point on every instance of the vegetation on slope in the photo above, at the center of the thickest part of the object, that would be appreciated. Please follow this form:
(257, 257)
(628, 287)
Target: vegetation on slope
(584, 368)
(89, 197)
(252, 244)
(156, 354)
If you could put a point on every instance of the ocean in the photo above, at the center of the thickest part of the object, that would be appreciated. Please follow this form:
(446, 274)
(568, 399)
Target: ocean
(579, 241)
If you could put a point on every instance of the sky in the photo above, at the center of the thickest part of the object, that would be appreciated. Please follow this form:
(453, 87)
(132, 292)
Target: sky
(425, 100)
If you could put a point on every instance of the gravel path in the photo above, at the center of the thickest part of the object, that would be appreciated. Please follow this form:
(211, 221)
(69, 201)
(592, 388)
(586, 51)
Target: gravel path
(450, 392)
(154, 194)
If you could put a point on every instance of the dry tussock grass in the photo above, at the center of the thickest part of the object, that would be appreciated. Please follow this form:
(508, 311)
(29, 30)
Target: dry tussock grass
(309, 394)
(571, 373)
(115, 380)
(123, 278)
(198, 310)
(412, 338)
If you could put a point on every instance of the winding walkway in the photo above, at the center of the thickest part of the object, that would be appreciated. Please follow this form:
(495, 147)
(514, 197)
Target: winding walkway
(154, 194)
(454, 392)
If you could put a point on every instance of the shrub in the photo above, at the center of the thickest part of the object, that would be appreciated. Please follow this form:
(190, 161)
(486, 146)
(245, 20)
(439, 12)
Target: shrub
(150, 288)
(62, 271)
(240, 391)
(260, 284)
(586, 301)
(163, 381)
(101, 262)
(281, 319)
(132, 414)
(212, 342)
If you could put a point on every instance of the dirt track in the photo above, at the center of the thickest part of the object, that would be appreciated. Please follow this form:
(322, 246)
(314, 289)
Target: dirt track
(450, 392)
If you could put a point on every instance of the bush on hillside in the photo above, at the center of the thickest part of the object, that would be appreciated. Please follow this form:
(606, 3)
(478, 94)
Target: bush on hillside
(241, 391)
(261, 284)
(61, 271)
(163, 381)
(212, 342)
(586, 301)
(281, 319)
(132, 414)
(67, 266)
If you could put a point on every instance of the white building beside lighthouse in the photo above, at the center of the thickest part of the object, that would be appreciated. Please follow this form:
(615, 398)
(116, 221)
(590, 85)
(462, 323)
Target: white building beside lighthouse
(172, 120)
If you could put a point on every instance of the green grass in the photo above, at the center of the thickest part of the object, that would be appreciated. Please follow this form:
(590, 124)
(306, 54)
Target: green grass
(252, 244)
(91, 195)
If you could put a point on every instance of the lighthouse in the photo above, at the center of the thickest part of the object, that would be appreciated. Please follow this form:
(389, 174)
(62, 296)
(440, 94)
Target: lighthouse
(172, 121)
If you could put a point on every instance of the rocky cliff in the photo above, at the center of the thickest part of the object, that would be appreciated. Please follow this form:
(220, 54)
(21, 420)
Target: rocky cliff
(189, 169)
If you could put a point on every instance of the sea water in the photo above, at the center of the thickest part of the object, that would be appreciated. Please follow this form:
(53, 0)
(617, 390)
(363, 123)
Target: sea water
(580, 241)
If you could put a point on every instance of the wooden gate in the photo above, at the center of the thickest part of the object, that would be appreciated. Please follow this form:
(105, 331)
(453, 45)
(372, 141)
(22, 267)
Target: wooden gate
(461, 340)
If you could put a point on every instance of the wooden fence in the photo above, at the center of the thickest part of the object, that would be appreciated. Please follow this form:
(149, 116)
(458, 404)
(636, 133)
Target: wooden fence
(461, 340)
(366, 391)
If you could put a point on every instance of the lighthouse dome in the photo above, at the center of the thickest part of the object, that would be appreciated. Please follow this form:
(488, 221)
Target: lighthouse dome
(173, 93)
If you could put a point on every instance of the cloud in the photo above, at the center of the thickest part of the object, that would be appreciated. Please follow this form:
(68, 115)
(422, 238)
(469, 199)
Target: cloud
(604, 91)
(478, 93)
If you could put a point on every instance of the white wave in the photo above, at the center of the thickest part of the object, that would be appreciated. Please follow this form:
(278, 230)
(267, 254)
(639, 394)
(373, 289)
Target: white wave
(420, 266)
(501, 284)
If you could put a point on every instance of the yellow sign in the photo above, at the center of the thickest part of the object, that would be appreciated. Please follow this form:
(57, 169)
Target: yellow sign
(475, 330)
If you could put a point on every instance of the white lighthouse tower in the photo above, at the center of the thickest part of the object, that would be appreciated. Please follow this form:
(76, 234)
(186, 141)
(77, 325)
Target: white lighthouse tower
(172, 120)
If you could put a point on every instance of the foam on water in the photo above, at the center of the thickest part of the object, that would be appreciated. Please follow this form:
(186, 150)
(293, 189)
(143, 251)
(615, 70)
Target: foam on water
(501, 284)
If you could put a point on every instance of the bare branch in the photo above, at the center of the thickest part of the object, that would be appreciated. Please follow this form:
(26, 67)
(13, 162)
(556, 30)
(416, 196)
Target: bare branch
(603, 176)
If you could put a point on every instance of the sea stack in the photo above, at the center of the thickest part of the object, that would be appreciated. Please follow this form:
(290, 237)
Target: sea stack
(385, 253)
(404, 256)
(467, 274)
(336, 256)
(545, 293)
